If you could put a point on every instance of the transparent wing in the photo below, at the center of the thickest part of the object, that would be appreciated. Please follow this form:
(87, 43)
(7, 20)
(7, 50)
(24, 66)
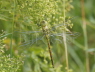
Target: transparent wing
(29, 32)
(59, 37)
(31, 42)
(53, 36)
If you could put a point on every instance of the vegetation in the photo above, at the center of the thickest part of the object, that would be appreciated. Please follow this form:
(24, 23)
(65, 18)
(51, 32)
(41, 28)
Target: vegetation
(47, 36)
(7, 63)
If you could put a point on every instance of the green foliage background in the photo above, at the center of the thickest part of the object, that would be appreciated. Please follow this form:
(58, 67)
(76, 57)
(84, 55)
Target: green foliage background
(26, 15)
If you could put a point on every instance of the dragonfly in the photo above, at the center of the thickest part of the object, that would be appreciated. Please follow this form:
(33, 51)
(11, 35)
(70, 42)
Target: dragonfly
(53, 34)
(47, 33)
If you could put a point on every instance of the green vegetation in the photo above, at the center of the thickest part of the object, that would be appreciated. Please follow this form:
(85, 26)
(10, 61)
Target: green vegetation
(7, 63)
(47, 36)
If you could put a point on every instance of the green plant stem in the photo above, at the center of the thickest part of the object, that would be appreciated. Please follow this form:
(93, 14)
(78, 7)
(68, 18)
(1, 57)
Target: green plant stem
(66, 51)
(20, 35)
(11, 43)
(85, 36)
(65, 43)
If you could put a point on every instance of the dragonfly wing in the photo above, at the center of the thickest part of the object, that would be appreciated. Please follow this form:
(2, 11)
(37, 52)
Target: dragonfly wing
(31, 42)
(29, 32)
(69, 36)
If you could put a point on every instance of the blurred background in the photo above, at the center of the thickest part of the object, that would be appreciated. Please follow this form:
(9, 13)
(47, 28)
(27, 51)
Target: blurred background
(30, 41)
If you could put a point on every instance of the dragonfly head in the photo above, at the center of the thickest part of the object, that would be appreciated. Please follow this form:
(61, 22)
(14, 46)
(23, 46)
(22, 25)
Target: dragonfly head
(43, 23)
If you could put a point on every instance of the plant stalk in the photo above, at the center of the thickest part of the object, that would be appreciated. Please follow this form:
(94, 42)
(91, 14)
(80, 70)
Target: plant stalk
(11, 42)
(65, 43)
(85, 36)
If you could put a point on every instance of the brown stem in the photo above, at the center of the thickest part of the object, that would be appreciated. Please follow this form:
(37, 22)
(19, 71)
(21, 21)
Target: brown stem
(85, 35)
